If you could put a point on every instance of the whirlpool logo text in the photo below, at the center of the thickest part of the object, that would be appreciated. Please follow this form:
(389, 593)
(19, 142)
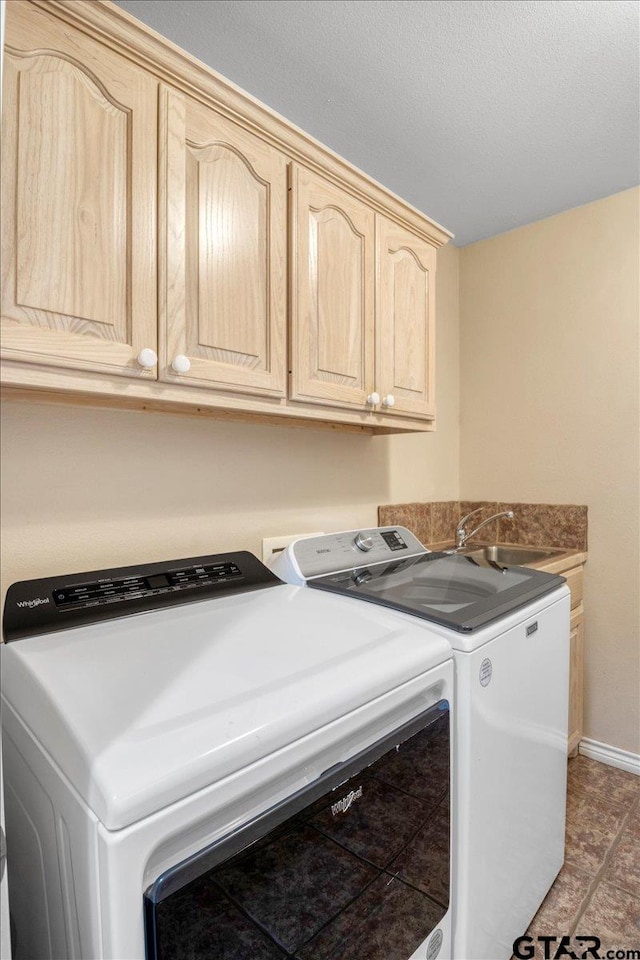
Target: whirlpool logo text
(343, 805)
(36, 602)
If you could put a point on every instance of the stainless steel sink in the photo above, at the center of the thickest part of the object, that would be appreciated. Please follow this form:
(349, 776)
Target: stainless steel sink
(509, 555)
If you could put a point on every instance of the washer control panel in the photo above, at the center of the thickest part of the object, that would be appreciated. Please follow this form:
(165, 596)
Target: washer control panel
(318, 556)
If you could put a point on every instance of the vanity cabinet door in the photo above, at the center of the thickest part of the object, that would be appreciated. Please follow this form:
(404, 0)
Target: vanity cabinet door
(79, 200)
(223, 223)
(332, 293)
(405, 317)
(576, 681)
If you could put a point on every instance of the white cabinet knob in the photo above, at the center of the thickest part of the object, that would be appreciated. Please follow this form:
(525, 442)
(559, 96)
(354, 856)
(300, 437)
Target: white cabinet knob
(147, 358)
(389, 400)
(181, 364)
(373, 399)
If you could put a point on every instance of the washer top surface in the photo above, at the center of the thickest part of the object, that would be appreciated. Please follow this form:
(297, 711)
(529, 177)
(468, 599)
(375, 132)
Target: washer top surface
(388, 566)
(141, 711)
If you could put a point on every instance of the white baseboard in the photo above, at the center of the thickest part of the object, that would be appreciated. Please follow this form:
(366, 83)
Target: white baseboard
(623, 759)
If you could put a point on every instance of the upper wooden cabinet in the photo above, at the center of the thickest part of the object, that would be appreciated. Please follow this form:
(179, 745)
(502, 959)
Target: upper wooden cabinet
(362, 305)
(405, 345)
(159, 224)
(332, 293)
(223, 223)
(79, 200)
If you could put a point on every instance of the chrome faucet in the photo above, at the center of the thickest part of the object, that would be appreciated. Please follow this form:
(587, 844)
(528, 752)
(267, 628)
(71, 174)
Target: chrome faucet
(461, 534)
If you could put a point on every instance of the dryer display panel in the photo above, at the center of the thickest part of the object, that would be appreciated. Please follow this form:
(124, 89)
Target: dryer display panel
(357, 864)
(34, 607)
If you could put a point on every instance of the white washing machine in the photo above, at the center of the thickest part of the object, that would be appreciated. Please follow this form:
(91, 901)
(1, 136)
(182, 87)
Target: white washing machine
(509, 630)
(262, 774)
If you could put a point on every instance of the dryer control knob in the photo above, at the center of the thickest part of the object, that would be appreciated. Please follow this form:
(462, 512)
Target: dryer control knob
(181, 364)
(363, 542)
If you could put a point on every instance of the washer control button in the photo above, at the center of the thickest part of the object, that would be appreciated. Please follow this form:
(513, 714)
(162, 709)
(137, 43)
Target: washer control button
(362, 576)
(363, 542)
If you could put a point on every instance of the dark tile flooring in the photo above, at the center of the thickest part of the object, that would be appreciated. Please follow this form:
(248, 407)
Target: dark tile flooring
(597, 892)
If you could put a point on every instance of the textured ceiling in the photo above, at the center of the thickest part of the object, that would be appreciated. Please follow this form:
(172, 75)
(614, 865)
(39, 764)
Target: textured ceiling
(484, 114)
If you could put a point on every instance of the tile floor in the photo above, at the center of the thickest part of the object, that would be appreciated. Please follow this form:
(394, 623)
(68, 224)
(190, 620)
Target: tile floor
(597, 892)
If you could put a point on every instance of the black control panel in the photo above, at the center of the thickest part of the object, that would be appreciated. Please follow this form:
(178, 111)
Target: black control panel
(34, 607)
(113, 589)
(393, 540)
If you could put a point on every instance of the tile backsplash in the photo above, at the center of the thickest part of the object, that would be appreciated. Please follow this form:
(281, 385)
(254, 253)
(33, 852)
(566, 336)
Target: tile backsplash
(536, 524)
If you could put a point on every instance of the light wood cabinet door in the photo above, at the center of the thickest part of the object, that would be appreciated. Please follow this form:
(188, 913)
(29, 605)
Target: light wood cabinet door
(405, 318)
(332, 293)
(79, 154)
(223, 226)
(576, 680)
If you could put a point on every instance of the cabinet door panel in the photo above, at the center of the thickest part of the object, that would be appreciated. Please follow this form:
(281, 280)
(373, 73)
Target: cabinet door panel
(332, 338)
(406, 320)
(223, 261)
(78, 232)
(63, 115)
(576, 673)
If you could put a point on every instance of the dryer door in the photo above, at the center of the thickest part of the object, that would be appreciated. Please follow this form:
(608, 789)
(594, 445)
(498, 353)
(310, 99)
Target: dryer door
(357, 864)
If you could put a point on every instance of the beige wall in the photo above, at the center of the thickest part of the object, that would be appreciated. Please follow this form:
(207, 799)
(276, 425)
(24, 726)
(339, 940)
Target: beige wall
(549, 325)
(85, 488)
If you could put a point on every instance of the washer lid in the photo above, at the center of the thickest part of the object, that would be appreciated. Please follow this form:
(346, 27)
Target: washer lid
(142, 711)
(451, 590)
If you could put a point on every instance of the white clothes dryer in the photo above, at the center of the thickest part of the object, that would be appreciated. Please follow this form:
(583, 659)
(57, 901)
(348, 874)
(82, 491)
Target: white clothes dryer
(262, 774)
(509, 630)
